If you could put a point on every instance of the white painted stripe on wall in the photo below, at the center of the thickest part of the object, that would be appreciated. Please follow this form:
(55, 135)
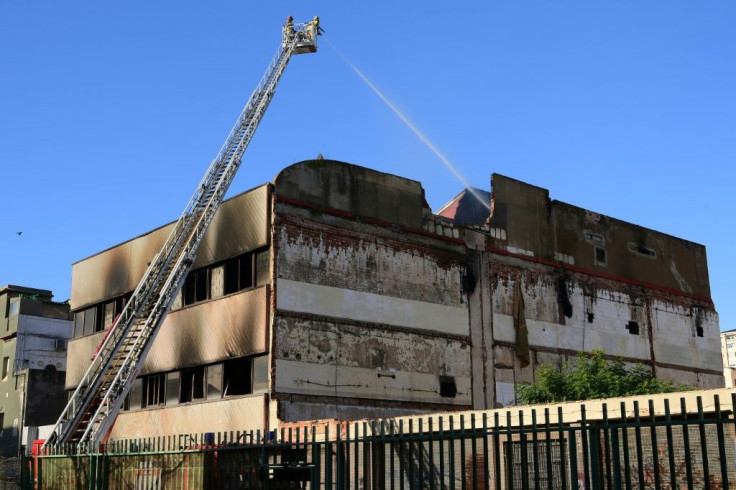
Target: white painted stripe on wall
(368, 307)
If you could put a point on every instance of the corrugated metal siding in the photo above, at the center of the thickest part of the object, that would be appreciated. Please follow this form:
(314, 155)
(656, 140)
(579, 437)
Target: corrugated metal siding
(237, 414)
(239, 225)
(208, 332)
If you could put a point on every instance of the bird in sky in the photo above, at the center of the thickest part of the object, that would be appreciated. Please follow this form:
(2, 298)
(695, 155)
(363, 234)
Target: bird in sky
(19, 233)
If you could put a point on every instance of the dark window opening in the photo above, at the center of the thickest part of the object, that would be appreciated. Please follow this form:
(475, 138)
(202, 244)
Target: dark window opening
(237, 377)
(633, 328)
(196, 287)
(448, 388)
(591, 316)
(699, 331)
(563, 298)
(192, 385)
(154, 389)
(100, 320)
(642, 250)
(600, 256)
(231, 276)
(246, 271)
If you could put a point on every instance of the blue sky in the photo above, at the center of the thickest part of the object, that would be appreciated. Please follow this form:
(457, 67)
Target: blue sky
(111, 111)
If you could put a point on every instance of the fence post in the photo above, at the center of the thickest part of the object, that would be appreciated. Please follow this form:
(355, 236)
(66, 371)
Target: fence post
(686, 444)
(703, 440)
(587, 450)
(639, 457)
(328, 459)
(563, 462)
(616, 459)
(670, 444)
(721, 443)
(594, 458)
(655, 446)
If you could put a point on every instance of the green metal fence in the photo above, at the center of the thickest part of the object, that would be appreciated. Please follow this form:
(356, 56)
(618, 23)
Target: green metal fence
(621, 444)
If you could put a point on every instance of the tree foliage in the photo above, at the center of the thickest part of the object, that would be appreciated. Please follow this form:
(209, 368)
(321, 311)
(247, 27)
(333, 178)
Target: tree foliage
(591, 376)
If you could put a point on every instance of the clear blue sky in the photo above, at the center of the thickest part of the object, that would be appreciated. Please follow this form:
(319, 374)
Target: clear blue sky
(111, 111)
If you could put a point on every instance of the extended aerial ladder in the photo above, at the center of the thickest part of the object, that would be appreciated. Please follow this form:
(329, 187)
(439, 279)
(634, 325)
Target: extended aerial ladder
(93, 407)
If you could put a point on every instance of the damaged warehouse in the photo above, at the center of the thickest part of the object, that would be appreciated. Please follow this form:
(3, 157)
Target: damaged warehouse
(335, 292)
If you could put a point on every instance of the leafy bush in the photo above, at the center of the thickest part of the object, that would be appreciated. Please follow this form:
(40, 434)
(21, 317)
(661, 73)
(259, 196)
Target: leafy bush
(591, 376)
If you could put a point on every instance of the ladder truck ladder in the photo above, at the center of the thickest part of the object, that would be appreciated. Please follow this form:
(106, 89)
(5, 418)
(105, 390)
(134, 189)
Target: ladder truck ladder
(92, 409)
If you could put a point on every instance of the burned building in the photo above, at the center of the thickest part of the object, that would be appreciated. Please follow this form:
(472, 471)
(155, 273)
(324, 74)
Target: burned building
(335, 292)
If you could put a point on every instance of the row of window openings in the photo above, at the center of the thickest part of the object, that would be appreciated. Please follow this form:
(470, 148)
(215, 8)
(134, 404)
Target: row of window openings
(601, 258)
(633, 327)
(242, 272)
(242, 376)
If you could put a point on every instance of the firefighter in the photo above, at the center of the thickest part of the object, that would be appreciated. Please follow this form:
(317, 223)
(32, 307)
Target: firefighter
(289, 29)
(314, 28)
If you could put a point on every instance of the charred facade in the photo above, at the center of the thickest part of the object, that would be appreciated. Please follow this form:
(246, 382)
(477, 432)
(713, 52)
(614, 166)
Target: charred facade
(335, 292)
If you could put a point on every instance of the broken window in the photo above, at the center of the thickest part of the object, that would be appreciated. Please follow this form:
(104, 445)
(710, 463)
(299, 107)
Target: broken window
(192, 384)
(448, 388)
(642, 250)
(262, 272)
(90, 315)
(563, 297)
(600, 256)
(154, 388)
(231, 276)
(79, 324)
(246, 271)
(109, 314)
(172, 388)
(633, 327)
(214, 381)
(100, 320)
(260, 374)
(237, 376)
(196, 287)
(594, 238)
(136, 394)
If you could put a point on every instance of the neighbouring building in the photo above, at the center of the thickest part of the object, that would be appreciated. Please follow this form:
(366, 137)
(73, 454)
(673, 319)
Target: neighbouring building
(34, 332)
(728, 349)
(335, 292)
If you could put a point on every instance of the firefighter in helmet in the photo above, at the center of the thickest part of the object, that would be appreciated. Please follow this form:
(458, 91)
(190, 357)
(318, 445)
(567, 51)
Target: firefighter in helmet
(289, 29)
(314, 28)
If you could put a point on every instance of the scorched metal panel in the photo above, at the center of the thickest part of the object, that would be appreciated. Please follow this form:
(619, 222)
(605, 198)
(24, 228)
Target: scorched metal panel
(240, 225)
(208, 332)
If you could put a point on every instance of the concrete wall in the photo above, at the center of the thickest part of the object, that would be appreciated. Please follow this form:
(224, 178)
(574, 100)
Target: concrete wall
(42, 343)
(600, 314)
(536, 226)
(366, 318)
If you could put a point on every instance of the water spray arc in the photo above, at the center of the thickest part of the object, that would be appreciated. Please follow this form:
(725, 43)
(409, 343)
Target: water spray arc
(445, 161)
